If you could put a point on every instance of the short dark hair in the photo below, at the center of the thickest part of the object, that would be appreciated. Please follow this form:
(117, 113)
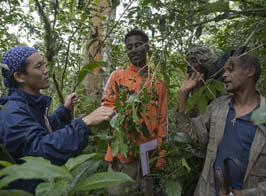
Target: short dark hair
(137, 32)
(22, 69)
(247, 61)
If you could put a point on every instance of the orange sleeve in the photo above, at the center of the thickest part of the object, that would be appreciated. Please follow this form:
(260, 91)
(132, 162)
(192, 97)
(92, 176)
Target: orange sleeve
(163, 124)
(109, 94)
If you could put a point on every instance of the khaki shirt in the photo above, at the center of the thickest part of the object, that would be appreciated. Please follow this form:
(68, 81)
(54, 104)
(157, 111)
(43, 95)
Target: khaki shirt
(208, 129)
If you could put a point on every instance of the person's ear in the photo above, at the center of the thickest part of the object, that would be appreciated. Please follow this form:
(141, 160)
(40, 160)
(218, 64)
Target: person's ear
(19, 77)
(251, 71)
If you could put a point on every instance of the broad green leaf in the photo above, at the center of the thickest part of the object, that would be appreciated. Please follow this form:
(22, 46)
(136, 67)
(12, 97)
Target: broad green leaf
(115, 147)
(32, 168)
(102, 180)
(202, 104)
(219, 86)
(87, 167)
(87, 69)
(85, 170)
(14, 193)
(210, 91)
(190, 103)
(173, 188)
(117, 121)
(259, 115)
(123, 148)
(76, 161)
(52, 188)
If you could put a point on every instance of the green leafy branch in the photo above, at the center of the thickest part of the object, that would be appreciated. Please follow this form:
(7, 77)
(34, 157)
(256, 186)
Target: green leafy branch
(212, 89)
(129, 120)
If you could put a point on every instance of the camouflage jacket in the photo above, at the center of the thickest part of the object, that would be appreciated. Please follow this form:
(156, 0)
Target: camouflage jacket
(209, 129)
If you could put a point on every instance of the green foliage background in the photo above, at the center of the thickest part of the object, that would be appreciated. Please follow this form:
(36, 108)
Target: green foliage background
(62, 32)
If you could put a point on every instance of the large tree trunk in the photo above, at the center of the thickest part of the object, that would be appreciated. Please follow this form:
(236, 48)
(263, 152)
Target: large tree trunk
(94, 50)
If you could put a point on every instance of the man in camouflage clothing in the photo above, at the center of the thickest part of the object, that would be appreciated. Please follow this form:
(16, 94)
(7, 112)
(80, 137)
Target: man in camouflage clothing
(204, 60)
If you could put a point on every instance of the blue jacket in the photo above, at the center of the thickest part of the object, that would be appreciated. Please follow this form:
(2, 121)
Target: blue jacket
(24, 133)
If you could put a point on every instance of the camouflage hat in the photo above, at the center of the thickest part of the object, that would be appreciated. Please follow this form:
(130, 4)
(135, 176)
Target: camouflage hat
(205, 56)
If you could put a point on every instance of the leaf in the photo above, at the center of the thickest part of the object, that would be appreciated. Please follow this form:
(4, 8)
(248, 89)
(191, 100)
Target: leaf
(49, 188)
(144, 130)
(185, 164)
(202, 104)
(76, 161)
(14, 193)
(210, 91)
(218, 6)
(102, 180)
(219, 86)
(115, 147)
(32, 168)
(198, 31)
(117, 121)
(123, 148)
(259, 115)
(87, 69)
(173, 188)
(135, 117)
(4, 66)
(5, 163)
(133, 98)
(90, 167)
(85, 170)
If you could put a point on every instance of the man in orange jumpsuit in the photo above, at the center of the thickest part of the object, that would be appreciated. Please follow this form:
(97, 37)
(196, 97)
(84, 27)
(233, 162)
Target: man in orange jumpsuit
(134, 78)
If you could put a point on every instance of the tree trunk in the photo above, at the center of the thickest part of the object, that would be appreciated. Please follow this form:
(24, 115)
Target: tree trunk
(94, 50)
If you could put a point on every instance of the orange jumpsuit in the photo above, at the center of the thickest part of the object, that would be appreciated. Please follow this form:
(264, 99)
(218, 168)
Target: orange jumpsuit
(156, 116)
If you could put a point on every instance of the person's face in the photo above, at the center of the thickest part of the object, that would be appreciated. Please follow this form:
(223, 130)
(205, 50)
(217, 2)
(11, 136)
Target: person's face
(235, 77)
(36, 77)
(136, 50)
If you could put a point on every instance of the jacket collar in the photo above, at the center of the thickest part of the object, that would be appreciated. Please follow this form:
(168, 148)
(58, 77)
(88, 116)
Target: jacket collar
(36, 101)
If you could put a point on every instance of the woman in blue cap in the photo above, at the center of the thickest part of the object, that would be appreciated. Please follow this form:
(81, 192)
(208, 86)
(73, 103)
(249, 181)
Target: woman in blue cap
(25, 127)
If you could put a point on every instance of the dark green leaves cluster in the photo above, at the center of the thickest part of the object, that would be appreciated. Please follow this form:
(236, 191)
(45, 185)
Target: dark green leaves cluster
(130, 107)
(202, 97)
(77, 175)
